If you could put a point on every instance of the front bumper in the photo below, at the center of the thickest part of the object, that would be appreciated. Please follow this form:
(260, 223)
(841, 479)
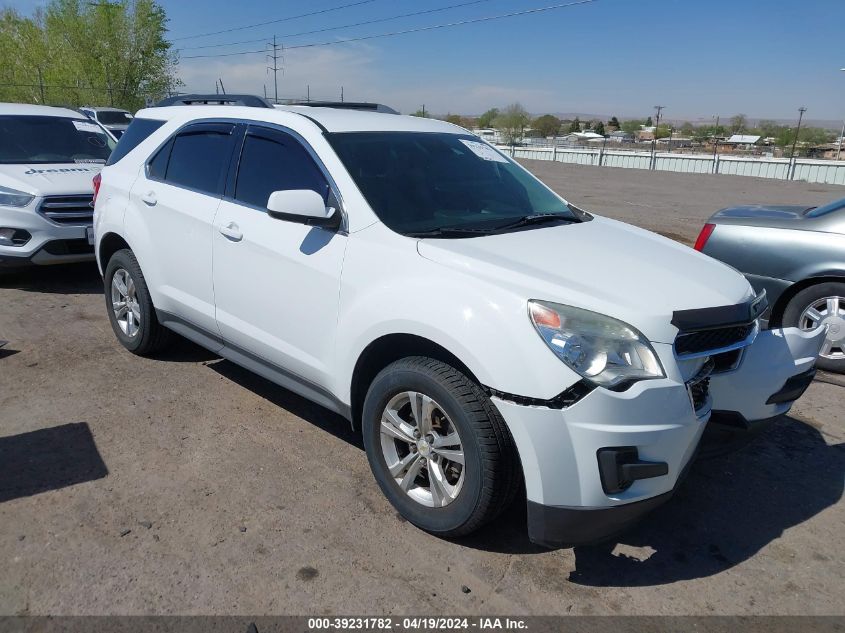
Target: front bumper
(50, 243)
(566, 488)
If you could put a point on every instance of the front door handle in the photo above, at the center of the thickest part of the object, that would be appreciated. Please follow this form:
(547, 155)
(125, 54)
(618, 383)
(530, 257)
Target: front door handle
(232, 232)
(149, 198)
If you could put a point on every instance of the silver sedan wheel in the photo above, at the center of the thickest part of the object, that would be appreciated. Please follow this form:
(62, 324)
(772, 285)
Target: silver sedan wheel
(422, 449)
(828, 311)
(124, 302)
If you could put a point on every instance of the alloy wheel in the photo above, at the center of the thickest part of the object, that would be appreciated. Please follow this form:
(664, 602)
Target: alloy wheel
(422, 449)
(124, 301)
(828, 311)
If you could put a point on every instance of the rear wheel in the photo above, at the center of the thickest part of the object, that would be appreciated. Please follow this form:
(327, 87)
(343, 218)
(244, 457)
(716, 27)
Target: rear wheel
(130, 308)
(438, 448)
(822, 304)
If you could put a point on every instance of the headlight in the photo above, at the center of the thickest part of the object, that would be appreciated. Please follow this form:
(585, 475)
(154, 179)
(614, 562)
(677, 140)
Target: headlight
(603, 350)
(14, 198)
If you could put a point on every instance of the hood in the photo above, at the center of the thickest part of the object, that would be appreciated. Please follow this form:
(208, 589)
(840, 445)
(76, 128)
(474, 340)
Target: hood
(601, 265)
(51, 179)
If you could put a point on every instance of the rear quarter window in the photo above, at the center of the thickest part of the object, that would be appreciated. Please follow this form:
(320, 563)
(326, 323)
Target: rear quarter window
(137, 132)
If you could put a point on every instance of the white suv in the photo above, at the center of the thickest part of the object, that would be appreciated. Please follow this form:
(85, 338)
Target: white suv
(48, 157)
(482, 333)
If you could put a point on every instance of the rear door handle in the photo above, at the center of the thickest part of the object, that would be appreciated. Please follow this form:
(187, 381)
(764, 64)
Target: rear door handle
(149, 198)
(232, 232)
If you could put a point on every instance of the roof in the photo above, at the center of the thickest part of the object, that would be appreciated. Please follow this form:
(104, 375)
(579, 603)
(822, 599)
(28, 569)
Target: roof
(28, 109)
(330, 119)
(743, 138)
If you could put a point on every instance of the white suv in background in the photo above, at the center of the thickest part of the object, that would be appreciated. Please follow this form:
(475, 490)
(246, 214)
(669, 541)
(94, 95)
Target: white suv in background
(480, 331)
(48, 157)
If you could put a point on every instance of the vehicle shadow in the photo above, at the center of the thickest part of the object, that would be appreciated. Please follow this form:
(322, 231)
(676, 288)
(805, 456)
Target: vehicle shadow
(48, 459)
(71, 279)
(728, 509)
(312, 413)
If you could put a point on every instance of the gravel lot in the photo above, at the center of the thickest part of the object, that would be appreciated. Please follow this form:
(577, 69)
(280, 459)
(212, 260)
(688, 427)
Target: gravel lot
(187, 485)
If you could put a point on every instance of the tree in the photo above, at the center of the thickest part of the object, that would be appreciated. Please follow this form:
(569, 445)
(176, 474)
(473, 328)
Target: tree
(546, 125)
(575, 126)
(649, 122)
(457, 119)
(632, 126)
(598, 128)
(738, 123)
(422, 114)
(662, 131)
(687, 128)
(614, 122)
(512, 122)
(486, 119)
(75, 53)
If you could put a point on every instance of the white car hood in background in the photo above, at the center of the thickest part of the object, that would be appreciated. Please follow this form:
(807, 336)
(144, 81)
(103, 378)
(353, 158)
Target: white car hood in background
(50, 179)
(601, 265)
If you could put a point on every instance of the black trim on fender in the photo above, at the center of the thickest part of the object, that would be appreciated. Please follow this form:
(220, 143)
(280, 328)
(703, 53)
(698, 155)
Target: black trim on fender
(564, 399)
(720, 316)
(794, 387)
(621, 466)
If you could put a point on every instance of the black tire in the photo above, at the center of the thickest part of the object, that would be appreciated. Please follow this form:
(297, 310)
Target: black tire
(151, 336)
(803, 300)
(492, 473)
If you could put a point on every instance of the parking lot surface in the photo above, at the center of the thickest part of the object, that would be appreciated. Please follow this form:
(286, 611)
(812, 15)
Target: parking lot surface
(184, 484)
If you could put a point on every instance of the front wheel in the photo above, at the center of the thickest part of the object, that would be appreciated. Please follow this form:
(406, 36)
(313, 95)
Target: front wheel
(438, 447)
(822, 304)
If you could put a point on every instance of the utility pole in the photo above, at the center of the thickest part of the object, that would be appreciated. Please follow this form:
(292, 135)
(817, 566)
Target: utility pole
(341, 94)
(839, 149)
(276, 56)
(801, 112)
(659, 108)
(308, 93)
(657, 120)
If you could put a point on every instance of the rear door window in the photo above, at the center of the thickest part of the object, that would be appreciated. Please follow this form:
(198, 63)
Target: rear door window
(137, 132)
(198, 157)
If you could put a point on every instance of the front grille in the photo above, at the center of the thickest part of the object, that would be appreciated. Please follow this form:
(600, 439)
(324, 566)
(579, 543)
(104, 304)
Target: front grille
(708, 340)
(68, 209)
(699, 386)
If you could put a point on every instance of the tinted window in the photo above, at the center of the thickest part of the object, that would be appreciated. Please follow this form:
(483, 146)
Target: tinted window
(113, 117)
(274, 161)
(422, 181)
(135, 134)
(158, 165)
(52, 139)
(199, 158)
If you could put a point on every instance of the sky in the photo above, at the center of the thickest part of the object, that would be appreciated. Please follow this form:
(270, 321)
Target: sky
(698, 58)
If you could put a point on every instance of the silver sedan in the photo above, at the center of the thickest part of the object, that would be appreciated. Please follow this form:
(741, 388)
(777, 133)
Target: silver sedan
(797, 255)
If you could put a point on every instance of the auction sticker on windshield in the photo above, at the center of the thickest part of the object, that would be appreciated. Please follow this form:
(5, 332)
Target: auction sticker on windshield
(82, 126)
(484, 151)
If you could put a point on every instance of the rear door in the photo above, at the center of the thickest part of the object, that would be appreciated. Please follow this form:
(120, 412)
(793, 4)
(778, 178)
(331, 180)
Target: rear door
(276, 283)
(175, 199)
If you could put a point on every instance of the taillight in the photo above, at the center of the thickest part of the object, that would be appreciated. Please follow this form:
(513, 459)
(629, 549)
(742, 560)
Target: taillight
(97, 180)
(706, 232)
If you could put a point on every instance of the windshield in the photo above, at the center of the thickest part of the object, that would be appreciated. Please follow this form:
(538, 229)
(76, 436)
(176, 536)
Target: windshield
(828, 208)
(419, 182)
(114, 117)
(52, 139)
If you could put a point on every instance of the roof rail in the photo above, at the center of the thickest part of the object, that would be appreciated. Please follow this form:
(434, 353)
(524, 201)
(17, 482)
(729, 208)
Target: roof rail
(252, 101)
(346, 105)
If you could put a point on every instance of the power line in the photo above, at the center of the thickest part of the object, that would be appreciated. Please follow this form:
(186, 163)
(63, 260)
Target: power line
(415, 30)
(344, 26)
(292, 17)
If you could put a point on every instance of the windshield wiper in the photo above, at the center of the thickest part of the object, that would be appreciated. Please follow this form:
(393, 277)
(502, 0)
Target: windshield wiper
(451, 231)
(536, 218)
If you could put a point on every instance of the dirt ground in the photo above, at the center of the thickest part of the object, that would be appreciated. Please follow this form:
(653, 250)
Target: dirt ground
(185, 485)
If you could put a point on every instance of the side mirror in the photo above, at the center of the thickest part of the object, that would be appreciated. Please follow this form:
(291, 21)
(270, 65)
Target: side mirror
(303, 206)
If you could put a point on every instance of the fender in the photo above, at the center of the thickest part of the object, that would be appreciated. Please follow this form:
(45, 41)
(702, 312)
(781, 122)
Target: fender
(471, 318)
